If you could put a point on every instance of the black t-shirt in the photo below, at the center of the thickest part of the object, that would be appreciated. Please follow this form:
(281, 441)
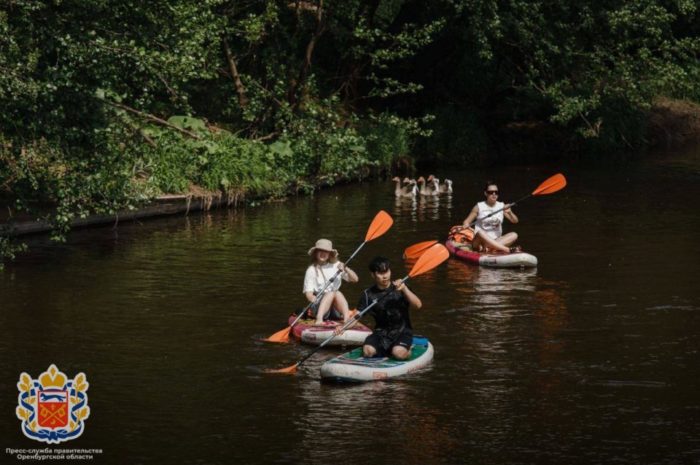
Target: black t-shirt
(390, 312)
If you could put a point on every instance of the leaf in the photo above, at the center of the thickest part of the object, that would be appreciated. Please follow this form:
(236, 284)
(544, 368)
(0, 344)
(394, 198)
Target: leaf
(25, 383)
(22, 413)
(187, 122)
(281, 148)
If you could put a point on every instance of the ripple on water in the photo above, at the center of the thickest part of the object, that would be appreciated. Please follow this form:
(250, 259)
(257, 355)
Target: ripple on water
(590, 358)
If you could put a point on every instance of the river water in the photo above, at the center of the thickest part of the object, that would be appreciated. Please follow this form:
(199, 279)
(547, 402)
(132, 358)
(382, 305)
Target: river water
(590, 358)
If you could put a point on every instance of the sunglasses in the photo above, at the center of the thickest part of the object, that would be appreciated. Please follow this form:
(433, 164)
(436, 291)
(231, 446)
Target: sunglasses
(492, 192)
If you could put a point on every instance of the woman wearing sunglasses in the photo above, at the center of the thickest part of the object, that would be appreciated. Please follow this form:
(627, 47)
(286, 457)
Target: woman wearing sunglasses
(488, 228)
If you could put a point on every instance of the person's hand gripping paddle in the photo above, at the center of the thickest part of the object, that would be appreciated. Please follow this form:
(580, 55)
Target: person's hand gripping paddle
(430, 259)
(380, 224)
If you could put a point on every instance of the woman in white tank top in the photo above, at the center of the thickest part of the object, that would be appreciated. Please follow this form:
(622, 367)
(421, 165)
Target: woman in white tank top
(489, 229)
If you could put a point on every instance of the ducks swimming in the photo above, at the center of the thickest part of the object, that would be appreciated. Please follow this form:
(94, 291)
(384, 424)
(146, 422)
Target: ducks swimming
(436, 188)
(446, 187)
(434, 185)
(408, 190)
(423, 189)
(413, 187)
(429, 187)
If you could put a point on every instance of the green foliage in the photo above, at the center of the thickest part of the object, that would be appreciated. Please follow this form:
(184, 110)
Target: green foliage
(219, 162)
(390, 138)
(9, 250)
(97, 98)
(589, 68)
(107, 104)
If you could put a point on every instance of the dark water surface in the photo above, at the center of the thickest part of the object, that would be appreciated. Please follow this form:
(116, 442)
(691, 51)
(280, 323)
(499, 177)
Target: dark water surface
(590, 358)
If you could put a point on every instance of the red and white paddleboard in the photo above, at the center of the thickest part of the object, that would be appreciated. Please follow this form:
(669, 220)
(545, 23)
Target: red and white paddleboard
(308, 332)
(501, 260)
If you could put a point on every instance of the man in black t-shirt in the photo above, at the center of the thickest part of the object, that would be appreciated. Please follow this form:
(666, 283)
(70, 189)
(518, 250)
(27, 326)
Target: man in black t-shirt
(392, 333)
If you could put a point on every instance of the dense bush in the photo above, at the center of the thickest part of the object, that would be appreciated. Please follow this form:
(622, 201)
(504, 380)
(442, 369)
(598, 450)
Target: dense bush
(105, 104)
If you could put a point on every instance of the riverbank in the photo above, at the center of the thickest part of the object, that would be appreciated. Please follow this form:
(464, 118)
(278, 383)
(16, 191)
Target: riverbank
(673, 123)
(668, 123)
(50, 188)
(160, 206)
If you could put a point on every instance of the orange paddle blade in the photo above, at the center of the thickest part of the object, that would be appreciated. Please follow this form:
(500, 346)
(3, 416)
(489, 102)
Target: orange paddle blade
(416, 250)
(431, 258)
(551, 185)
(290, 370)
(281, 336)
(380, 224)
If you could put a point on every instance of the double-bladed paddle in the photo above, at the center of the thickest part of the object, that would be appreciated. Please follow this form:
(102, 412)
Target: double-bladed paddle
(430, 259)
(549, 186)
(416, 250)
(380, 224)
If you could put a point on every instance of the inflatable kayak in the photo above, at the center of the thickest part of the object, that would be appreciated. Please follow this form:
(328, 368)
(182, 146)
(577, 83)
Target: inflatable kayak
(307, 331)
(463, 251)
(354, 368)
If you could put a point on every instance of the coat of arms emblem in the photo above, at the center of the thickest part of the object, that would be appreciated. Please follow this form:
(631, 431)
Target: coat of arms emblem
(52, 407)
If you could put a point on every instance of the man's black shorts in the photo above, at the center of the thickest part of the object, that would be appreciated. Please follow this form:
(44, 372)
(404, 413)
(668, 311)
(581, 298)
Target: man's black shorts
(383, 344)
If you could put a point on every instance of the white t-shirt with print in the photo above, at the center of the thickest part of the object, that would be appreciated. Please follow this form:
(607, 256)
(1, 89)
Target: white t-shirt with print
(493, 225)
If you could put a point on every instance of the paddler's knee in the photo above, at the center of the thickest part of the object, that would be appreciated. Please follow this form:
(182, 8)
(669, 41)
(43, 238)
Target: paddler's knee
(400, 353)
(368, 351)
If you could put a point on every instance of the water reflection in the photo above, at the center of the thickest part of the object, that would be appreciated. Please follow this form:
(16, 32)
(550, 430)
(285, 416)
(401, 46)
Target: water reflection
(423, 208)
(552, 317)
(503, 313)
(389, 412)
(406, 207)
(429, 208)
(491, 287)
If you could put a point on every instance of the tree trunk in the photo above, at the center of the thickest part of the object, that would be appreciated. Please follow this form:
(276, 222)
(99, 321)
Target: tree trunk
(300, 82)
(240, 89)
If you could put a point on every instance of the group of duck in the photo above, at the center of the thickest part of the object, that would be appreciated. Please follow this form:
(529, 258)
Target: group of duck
(421, 186)
(411, 188)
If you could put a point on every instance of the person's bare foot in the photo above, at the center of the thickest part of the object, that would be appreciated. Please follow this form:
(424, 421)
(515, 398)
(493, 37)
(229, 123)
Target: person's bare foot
(498, 251)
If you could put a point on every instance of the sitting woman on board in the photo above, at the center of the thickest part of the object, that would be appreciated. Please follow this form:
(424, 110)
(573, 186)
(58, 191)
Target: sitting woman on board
(488, 230)
(324, 266)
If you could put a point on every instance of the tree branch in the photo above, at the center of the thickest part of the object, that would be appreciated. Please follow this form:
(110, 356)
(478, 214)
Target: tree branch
(240, 89)
(304, 71)
(267, 137)
(152, 118)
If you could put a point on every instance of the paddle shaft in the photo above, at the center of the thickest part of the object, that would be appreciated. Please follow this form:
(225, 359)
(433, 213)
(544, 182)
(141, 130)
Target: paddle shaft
(500, 210)
(549, 186)
(325, 286)
(353, 320)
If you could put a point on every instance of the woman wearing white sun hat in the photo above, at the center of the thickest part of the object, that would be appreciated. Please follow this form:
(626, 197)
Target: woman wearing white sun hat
(324, 265)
